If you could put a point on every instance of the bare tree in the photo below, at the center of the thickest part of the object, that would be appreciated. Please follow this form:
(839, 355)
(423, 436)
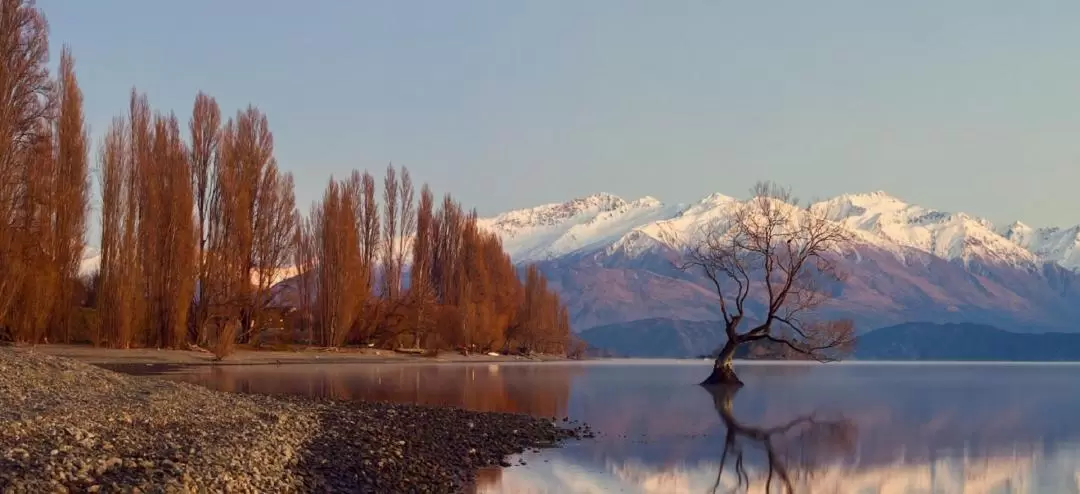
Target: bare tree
(775, 255)
(113, 169)
(331, 246)
(406, 222)
(251, 213)
(275, 226)
(420, 289)
(72, 195)
(304, 260)
(369, 231)
(172, 260)
(205, 128)
(27, 104)
(391, 277)
(36, 298)
(369, 253)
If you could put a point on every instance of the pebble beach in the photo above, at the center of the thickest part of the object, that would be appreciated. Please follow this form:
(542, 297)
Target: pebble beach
(68, 426)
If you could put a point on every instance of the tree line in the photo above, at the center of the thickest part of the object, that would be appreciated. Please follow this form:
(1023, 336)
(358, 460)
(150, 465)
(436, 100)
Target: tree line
(202, 242)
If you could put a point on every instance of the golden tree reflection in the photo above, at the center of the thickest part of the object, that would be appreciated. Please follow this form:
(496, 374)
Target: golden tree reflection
(486, 478)
(536, 390)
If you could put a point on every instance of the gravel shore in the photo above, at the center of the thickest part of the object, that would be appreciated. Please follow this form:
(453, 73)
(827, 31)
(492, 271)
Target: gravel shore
(67, 426)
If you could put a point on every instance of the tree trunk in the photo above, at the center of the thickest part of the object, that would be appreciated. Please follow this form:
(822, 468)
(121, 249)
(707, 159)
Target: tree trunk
(246, 324)
(723, 373)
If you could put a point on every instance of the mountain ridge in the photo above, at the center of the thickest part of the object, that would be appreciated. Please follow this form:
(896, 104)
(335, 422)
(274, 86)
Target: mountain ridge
(613, 261)
(575, 225)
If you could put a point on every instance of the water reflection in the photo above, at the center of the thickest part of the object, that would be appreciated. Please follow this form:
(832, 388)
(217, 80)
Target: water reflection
(850, 428)
(536, 390)
(792, 450)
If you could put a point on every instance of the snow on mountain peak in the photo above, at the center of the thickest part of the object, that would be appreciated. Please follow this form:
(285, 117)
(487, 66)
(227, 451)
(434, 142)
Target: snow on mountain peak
(862, 205)
(1018, 232)
(647, 201)
(554, 230)
(1060, 245)
(605, 222)
(1019, 226)
(946, 235)
(601, 200)
(556, 213)
(716, 198)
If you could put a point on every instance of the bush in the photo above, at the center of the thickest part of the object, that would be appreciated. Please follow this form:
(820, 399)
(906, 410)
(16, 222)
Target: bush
(225, 343)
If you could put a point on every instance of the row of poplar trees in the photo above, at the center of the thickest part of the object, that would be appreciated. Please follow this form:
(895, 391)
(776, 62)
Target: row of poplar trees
(202, 241)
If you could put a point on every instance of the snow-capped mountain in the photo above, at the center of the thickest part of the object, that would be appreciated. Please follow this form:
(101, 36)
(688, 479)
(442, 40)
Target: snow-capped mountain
(1060, 245)
(947, 235)
(556, 230)
(611, 259)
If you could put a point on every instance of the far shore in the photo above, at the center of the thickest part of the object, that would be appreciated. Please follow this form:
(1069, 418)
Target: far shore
(251, 356)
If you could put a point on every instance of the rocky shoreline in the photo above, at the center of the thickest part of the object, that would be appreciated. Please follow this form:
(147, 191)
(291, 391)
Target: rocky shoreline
(67, 426)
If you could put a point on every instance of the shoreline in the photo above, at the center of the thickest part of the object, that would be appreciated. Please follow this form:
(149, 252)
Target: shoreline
(249, 356)
(67, 425)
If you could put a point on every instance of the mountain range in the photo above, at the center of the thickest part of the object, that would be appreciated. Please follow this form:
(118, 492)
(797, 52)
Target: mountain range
(613, 262)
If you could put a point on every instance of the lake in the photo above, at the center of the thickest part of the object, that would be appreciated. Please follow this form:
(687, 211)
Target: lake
(835, 428)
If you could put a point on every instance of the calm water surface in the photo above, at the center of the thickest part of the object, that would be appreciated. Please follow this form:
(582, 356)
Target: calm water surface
(838, 428)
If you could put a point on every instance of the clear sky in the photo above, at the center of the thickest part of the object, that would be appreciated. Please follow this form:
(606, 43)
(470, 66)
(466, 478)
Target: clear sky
(969, 105)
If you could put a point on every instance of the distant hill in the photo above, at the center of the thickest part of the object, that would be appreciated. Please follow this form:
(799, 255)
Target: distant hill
(926, 341)
(656, 338)
(675, 338)
(660, 338)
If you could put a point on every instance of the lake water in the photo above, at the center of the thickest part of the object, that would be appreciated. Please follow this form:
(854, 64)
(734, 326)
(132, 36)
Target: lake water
(836, 428)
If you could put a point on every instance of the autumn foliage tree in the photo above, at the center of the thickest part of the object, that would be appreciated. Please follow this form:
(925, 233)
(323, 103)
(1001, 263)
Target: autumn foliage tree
(26, 109)
(44, 192)
(461, 288)
(71, 189)
(116, 290)
(246, 217)
(190, 231)
(342, 280)
(199, 227)
(205, 136)
(773, 254)
(149, 262)
(169, 234)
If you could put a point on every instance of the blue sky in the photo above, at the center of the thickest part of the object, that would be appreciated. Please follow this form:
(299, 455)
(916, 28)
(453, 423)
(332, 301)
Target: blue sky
(961, 105)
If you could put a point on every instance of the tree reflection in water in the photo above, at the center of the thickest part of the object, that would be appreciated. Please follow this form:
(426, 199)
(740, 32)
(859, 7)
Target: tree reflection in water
(542, 391)
(539, 390)
(793, 450)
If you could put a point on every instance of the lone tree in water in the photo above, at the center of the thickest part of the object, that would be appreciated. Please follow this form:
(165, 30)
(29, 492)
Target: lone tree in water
(775, 257)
